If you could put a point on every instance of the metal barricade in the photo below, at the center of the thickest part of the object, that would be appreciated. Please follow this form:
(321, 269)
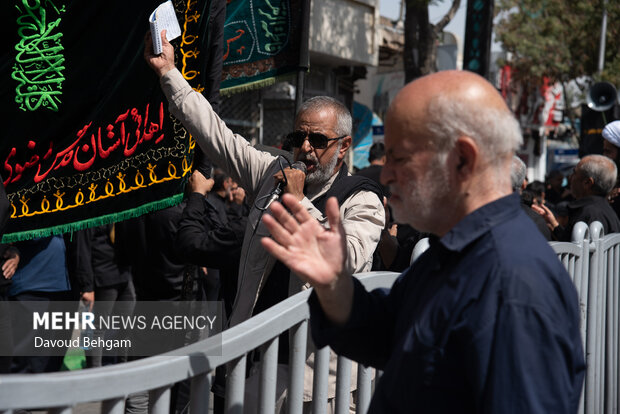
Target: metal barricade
(592, 261)
(61, 392)
(575, 257)
(608, 249)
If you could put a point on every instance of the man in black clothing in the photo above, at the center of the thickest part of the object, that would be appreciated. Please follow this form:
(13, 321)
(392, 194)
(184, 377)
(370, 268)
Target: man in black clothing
(594, 177)
(103, 279)
(518, 181)
(210, 233)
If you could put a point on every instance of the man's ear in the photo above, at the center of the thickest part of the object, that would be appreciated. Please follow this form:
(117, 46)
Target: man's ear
(346, 143)
(467, 156)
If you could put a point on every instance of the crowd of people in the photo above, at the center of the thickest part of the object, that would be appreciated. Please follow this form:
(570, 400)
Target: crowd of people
(487, 315)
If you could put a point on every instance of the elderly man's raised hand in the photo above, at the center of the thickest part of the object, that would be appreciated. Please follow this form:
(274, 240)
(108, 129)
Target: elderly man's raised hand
(314, 253)
(163, 62)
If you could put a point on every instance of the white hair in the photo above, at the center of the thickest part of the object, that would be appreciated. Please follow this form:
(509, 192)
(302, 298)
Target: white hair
(601, 170)
(496, 132)
(344, 122)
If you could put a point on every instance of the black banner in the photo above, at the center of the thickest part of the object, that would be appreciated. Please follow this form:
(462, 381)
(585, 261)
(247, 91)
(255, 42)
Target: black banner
(87, 135)
(478, 33)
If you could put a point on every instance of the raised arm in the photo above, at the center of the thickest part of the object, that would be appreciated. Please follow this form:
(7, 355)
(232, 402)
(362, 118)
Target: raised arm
(224, 148)
(163, 62)
(315, 254)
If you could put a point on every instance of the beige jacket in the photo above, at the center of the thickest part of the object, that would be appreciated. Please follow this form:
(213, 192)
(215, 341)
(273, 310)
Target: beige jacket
(363, 213)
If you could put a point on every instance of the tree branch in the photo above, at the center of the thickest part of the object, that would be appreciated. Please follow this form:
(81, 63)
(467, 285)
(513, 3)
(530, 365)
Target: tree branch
(448, 17)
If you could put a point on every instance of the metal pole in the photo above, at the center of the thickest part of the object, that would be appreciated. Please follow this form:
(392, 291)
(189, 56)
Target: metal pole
(200, 393)
(159, 400)
(601, 51)
(235, 386)
(297, 363)
(319, 386)
(364, 388)
(343, 385)
(304, 54)
(268, 376)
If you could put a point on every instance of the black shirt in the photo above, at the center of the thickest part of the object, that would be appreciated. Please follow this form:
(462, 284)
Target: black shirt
(589, 209)
(211, 234)
(485, 321)
(93, 261)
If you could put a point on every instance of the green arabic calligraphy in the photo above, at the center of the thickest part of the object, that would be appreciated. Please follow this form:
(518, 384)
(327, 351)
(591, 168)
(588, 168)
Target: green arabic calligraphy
(39, 62)
(274, 25)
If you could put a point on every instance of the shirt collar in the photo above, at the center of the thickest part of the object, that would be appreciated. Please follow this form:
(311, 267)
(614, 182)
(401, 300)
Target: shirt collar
(479, 222)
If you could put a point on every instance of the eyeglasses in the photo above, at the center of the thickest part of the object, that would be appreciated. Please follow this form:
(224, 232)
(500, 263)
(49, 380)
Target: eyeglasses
(317, 140)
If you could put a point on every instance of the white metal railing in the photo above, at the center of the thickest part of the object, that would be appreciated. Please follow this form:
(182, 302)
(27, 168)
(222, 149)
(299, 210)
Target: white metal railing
(61, 392)
(592, 261)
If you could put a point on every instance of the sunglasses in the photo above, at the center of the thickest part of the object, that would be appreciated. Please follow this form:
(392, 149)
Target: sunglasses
(318, 141)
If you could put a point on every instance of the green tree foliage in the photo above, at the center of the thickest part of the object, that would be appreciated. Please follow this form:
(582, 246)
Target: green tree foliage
(559, 39)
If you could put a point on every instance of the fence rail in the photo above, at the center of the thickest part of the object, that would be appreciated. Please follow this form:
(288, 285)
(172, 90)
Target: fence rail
(592, 260)
(112, 384)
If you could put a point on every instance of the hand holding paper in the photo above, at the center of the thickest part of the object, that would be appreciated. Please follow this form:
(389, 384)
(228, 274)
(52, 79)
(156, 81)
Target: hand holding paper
(163, 62)
(164, 18)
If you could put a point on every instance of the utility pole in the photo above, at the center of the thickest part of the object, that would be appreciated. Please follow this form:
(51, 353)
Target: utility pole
(601, 50)
(304, 54)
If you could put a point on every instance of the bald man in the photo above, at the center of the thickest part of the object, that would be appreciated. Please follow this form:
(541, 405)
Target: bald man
(487, 319)
(593, 178)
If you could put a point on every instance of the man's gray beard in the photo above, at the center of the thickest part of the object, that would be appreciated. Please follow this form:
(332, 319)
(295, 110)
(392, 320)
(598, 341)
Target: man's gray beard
(421, 201)
(323, 173)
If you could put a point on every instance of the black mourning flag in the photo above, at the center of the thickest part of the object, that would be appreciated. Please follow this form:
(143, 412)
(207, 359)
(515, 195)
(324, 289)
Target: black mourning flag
(87, 135)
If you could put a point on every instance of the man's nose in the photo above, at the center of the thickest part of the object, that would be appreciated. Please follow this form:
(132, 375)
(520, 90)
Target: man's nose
(305, 146)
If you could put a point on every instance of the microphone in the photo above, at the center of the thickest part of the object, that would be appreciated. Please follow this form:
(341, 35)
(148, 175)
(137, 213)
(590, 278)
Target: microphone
(275, 194)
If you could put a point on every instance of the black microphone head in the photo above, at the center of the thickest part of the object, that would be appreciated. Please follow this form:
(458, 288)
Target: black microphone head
(299, 165)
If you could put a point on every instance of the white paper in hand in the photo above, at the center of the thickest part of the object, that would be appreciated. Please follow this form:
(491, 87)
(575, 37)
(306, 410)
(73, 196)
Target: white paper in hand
(164, 18)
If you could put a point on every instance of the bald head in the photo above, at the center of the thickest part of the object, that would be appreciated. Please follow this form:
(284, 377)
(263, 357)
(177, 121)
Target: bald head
(594, 174)
(448, 104)
(462, 85)
(449, 140)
